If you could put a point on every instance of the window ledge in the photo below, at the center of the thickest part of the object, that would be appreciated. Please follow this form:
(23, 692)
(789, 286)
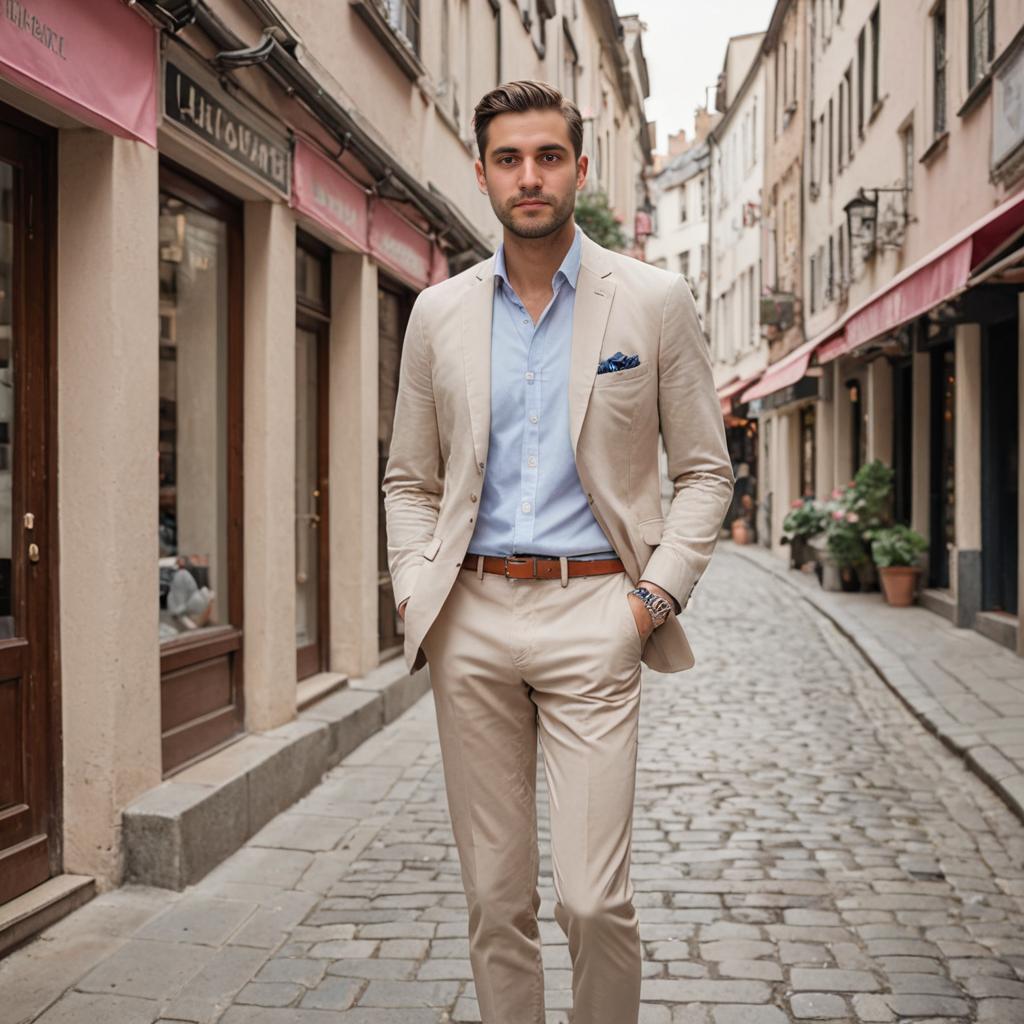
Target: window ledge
(876, 109)
(402, 52)
(939, 143)
(974, 98)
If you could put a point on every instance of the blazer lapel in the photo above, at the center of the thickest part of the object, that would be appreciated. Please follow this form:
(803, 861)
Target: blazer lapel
(595, 288)
(475, 335)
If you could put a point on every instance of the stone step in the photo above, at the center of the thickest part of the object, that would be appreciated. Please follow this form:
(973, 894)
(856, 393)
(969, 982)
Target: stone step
(177, 832)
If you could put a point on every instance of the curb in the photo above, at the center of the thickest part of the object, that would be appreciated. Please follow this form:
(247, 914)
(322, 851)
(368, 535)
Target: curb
(983, 760)
(177, 832)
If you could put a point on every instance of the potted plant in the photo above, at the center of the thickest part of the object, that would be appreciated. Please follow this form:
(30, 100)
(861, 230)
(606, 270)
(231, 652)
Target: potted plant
(846, 547)
(742, 526)
(896, 550)
(806, 518)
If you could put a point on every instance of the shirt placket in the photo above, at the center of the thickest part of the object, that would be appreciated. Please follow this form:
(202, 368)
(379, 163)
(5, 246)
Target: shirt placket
(529, 470)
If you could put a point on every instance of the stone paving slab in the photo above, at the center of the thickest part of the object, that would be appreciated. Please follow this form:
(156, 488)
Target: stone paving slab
(965, 688)
(803, 850)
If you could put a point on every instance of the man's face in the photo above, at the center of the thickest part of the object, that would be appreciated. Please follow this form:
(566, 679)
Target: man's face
(530, 172)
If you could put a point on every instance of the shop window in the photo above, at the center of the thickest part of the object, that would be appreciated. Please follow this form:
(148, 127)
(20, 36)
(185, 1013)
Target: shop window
(200, 469)
(194, 563)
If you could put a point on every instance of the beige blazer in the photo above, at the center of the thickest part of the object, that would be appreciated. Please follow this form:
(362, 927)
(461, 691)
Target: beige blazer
(434, 475)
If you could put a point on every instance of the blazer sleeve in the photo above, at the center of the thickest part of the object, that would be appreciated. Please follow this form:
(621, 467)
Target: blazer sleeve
(413, 481)
(693, 430)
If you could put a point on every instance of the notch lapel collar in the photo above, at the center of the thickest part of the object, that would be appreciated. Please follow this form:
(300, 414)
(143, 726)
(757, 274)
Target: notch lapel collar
(595, 289)
(475, 338)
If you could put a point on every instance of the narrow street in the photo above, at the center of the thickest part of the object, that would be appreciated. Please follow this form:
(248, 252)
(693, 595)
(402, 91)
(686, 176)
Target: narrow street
(803, 850)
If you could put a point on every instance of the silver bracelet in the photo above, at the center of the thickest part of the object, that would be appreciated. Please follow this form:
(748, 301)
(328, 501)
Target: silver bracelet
(657, 606)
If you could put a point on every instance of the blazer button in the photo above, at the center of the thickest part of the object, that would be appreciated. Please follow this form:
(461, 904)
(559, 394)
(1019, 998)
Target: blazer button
(472, 497)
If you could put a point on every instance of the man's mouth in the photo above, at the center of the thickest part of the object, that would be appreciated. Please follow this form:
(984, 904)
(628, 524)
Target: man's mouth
(532, 202)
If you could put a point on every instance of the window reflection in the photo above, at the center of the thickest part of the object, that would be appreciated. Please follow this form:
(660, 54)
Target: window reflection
(193, 420)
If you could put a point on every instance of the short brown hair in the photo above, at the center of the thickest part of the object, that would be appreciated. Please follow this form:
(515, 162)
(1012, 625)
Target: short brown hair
(517, 98)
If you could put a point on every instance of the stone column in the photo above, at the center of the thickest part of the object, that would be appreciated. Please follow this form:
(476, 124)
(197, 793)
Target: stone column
(842, 464)
(355, 492)
(107, 401)
(879, 406)
(824, 441)
(921, 444)
(967, 564)
(269, 461)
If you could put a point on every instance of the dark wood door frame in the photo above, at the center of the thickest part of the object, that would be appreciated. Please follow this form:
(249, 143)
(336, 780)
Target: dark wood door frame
(190, 664)
(31, 823)
(316, 318)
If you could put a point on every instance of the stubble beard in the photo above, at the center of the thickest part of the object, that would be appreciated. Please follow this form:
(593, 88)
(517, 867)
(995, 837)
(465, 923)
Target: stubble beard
(561, 209)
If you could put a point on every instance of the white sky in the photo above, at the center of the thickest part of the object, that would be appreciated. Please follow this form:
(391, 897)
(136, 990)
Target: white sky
(685, 46)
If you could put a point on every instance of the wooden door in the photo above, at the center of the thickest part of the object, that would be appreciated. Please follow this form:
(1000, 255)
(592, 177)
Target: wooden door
(29, 709)
(312, 419)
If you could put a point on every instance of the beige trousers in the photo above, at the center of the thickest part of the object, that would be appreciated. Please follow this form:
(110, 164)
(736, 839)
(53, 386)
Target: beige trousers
(511, 661)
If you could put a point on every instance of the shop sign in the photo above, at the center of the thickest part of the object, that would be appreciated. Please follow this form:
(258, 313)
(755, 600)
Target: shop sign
(322, 191)
(96, 61)
(195, 101)
(400, 247)
(804, 388)
(1008, 114)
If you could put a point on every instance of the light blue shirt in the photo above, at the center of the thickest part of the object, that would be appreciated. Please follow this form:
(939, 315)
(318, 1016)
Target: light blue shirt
(532, 501)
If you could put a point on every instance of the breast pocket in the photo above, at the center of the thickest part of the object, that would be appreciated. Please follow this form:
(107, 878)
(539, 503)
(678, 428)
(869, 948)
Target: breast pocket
(616, 378)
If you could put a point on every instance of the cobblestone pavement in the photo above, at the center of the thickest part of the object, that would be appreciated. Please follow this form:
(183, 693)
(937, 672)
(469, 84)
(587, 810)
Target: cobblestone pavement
(803, 850)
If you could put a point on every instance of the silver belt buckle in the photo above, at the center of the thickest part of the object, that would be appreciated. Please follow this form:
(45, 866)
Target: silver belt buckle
(518, 561)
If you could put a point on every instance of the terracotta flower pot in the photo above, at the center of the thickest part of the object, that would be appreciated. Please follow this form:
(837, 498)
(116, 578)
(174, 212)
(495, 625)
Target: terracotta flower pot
(899, 582)
(741, 532)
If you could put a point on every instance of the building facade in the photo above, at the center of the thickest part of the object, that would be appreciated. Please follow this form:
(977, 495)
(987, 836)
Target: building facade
(208, 269)
(913, 198)
(738, 351)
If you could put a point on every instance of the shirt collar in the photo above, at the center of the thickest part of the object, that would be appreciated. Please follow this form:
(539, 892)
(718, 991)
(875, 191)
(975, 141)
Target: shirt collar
(569, 268)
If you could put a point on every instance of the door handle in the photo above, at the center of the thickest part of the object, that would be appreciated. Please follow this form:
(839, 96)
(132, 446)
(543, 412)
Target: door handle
(33, 553)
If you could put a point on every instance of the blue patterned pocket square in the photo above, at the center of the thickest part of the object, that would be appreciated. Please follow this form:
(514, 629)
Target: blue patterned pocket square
(617, 362)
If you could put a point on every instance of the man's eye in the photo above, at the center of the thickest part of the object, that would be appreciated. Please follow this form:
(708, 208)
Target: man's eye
(551, 157)
(507, 160)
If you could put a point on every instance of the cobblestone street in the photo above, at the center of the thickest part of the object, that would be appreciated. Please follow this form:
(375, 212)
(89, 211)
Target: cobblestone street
(803, 850)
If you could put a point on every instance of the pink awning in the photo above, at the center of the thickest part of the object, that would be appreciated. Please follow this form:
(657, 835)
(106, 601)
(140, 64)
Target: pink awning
(96, 61)
(733, 387)
(396, 244)
(788, 370)
(937, 277)
(322, 191)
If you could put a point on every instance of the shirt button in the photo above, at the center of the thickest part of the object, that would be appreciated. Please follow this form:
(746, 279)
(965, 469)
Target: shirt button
(529, 374)
(526, 321)
(531, 461)
(526, 506)
(533, 418)
(472, 497)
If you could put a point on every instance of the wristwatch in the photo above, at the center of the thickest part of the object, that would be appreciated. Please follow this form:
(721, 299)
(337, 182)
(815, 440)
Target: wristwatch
(657, 606)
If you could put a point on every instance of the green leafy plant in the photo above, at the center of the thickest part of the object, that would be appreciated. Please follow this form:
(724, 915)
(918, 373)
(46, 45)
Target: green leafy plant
(806, 518)
(597, 220)
(845, 543)
(897, 545)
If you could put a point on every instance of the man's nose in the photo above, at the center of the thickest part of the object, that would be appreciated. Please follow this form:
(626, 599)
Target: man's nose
(530, 176)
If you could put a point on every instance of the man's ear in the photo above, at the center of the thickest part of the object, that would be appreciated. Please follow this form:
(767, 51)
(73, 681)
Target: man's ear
(582, 166)
(481, 177)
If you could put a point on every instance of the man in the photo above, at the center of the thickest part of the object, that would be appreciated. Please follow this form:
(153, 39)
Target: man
(523, 502)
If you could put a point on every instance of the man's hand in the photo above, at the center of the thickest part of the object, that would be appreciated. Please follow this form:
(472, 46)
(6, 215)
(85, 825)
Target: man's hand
(644, 623)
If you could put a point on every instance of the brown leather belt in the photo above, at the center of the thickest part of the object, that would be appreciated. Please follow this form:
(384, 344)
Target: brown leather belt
(534, 567)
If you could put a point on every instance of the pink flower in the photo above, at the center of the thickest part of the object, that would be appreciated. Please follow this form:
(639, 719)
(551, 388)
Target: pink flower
(797, 503)
(838, 515)
(837, 492)
(852, 517)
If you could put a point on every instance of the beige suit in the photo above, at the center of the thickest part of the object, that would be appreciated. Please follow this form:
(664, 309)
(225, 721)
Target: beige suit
(514, 661)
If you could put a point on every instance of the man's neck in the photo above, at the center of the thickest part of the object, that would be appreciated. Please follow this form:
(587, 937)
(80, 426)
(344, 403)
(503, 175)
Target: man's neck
(531, 263)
